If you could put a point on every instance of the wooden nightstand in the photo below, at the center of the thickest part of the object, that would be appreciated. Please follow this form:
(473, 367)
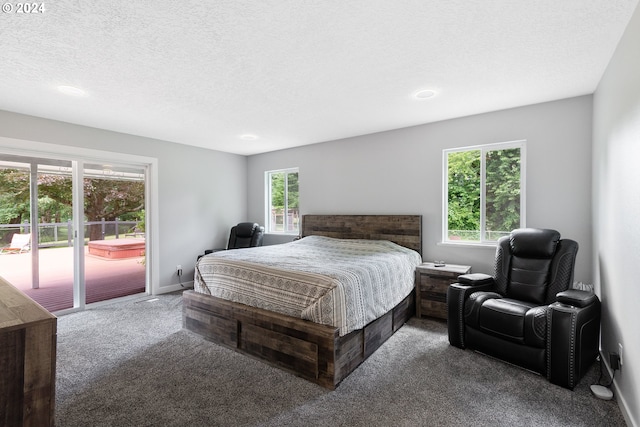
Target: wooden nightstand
(431, 287)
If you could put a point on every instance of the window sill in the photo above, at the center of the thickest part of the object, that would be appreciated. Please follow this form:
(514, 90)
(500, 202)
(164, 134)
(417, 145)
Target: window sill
(468, 245)
(281, 234)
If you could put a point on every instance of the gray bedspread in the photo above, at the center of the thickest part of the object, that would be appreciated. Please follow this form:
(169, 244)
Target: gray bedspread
(344, 283)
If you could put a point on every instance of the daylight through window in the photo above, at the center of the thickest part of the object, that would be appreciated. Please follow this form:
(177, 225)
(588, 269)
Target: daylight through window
(282, 211)
(484, 192)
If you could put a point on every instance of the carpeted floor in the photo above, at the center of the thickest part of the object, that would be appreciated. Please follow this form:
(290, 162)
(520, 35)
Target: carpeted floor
(131, 364)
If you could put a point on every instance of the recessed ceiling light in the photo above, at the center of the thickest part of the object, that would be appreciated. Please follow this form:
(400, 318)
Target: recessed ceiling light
(72, 90)
(248, 137)
(425, 94)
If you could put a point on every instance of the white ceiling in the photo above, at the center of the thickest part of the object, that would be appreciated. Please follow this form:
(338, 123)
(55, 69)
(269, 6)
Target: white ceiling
(296, 72)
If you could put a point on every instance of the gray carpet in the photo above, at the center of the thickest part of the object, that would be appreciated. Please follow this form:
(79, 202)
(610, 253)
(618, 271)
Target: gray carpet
(131, 364)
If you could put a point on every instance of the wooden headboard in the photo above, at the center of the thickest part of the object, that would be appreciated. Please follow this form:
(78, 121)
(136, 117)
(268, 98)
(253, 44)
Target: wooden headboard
(405, 230)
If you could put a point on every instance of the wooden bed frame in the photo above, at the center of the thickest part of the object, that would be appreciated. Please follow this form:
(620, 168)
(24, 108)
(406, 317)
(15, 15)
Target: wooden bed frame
(310, 350)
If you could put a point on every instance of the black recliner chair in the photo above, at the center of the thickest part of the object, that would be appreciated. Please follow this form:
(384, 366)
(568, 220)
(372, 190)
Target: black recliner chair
(243, 235)
(526, 313)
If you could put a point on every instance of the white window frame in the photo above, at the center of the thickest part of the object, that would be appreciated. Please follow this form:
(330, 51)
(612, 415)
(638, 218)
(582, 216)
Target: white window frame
(270, 228)
(521, 144)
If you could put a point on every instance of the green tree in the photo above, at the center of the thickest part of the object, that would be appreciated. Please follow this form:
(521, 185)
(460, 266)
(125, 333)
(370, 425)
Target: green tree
(110, 199)
(278, 193)
(502, 190)
(54, 197)
(464, 190)
(103, 198)
(284, 201)
(14, 196)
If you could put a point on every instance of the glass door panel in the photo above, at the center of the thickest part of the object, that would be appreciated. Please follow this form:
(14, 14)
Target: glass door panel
(54, 253)
(15, 222)
(36, 202)
(114, 212)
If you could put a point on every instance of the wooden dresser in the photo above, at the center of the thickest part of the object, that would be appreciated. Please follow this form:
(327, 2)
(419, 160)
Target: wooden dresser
(431, 287)
(27, 360)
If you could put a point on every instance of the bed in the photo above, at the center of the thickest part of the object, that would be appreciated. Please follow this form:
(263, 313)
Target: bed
(322, 349)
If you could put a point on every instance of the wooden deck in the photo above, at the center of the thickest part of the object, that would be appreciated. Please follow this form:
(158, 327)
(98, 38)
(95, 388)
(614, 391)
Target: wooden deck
(105, 278)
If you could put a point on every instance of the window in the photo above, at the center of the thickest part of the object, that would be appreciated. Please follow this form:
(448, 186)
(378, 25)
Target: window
(484, 192)
(282, 212)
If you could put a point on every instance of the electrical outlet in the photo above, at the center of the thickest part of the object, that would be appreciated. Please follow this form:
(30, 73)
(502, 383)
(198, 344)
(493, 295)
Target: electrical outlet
(620, 353)
(179, 270)
(614, 361)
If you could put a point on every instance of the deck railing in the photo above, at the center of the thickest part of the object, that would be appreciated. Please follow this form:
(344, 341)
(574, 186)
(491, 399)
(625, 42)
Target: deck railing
(55, 234)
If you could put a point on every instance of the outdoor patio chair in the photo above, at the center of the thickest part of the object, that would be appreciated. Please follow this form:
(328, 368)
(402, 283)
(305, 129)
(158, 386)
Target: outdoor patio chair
(19, 243)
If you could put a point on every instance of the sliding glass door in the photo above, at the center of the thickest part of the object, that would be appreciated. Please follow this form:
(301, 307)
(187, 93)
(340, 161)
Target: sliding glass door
(61, 206)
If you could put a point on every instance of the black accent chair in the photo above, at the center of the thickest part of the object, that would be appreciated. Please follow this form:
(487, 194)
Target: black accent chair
(526, 313)
(243, 235)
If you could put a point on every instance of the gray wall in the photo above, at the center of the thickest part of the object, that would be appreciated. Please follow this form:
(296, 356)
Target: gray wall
(400, 172)
(616, 210)
(202, 193)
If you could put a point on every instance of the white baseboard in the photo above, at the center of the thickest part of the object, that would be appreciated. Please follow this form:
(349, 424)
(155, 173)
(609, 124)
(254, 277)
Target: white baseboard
(618, 395)
(175, 287)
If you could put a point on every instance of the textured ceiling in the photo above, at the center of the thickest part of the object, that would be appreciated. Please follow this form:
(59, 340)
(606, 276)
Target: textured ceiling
(296, 72)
